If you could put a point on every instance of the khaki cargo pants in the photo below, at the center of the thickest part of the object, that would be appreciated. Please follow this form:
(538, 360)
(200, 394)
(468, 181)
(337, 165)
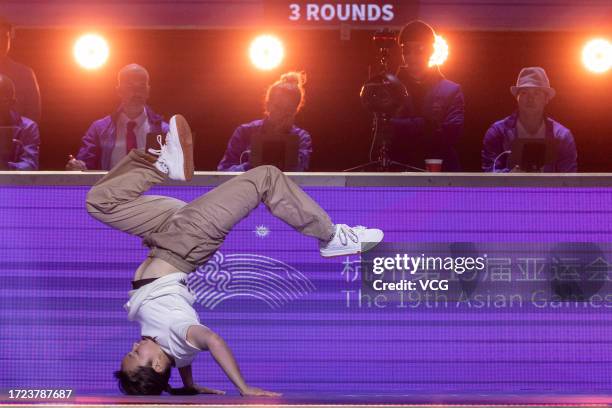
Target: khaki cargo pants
(186, 235)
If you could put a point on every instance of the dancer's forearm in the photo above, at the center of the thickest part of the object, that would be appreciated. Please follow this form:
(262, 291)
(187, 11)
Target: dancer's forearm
(186, 376)
(205, 339)
(224, 357)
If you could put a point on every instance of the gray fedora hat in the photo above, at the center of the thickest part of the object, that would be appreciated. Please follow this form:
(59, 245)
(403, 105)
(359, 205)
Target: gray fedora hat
(533, 77)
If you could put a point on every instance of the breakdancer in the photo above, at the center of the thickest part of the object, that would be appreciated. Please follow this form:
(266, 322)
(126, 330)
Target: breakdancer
(183, 236)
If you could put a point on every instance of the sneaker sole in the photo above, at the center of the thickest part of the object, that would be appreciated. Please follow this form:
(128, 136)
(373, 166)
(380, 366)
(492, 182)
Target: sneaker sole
(185, 138)
(333, 254)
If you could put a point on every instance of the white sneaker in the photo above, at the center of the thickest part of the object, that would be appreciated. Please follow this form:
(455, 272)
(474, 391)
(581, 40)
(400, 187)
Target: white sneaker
(349, 241)
(176, 154)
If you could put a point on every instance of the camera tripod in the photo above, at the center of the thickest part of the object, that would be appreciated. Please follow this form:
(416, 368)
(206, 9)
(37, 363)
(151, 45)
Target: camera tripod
(381, 130)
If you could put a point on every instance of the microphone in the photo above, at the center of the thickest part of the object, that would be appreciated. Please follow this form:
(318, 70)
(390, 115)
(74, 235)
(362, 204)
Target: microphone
(498, 156)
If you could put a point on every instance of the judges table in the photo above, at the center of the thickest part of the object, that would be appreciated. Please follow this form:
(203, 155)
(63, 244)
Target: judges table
(341, 179)
(298, 322)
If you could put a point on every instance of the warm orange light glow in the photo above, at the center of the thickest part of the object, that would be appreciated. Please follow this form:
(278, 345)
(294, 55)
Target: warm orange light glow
(91, 51)
(266, 52)
(597, 55)
(440, 53)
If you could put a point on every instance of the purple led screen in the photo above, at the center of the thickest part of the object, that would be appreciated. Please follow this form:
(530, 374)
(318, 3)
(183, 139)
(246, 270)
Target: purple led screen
(65, 278)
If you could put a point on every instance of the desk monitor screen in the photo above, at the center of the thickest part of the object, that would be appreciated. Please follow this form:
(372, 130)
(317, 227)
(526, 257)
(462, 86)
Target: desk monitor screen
(281, 152)
(533, 156)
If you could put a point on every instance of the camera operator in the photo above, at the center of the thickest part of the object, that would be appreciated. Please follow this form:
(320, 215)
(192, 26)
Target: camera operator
(430, 123)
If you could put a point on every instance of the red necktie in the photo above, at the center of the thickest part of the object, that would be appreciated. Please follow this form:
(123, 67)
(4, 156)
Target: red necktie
(130, 136)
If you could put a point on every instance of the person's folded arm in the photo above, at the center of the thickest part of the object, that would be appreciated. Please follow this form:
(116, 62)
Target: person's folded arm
(567, 161)
(234, 159)
(90, 150)
(29, 147)
(492, 147)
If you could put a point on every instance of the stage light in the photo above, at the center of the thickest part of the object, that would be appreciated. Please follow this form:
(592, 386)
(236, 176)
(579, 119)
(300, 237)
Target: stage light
(440, 53)
(266, 52)
(597, 55)
(91, 51)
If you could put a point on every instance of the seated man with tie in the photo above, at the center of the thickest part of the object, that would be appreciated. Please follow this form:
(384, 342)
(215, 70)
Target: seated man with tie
(109, 139)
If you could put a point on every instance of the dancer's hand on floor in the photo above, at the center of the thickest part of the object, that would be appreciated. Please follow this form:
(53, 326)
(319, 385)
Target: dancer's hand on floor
(258, 392)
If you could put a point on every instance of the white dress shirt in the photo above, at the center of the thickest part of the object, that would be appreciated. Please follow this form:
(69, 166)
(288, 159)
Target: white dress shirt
(141, 130)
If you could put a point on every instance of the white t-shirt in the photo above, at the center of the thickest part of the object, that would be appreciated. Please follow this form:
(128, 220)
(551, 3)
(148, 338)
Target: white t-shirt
(164, 310)
(522, 133)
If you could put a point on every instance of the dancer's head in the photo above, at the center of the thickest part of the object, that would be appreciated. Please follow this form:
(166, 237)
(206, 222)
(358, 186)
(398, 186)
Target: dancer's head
(145, 370)
(133, 87)
(416, 40)
(285, 98)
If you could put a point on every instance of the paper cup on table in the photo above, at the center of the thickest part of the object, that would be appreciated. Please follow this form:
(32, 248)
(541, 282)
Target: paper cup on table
(433, 165)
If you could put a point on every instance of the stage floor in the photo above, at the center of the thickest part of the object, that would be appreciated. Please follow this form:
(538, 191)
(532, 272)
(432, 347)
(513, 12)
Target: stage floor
(336, 399)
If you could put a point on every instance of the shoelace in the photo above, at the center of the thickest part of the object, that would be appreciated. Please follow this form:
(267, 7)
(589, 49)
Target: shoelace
(160, 154)
(162, 147)
(351, 235)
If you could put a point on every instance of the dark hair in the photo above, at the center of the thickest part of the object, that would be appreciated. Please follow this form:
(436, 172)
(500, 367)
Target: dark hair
(417, 30)
(290, 84)
(143, 381)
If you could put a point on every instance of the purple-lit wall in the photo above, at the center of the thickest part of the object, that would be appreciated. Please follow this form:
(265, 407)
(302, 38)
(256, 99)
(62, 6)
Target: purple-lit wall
(65, 277)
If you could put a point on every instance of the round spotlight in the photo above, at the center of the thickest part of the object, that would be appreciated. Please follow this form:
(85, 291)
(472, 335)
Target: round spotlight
(91, 51)
(597, 55)
(266, 52)
(440, 53)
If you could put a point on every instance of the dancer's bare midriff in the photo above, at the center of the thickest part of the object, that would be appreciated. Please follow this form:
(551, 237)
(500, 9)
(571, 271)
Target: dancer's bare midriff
(154, 268)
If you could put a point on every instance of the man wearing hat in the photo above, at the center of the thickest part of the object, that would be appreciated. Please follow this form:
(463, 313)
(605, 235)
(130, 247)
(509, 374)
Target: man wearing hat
(430, 123)
(532, 93)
